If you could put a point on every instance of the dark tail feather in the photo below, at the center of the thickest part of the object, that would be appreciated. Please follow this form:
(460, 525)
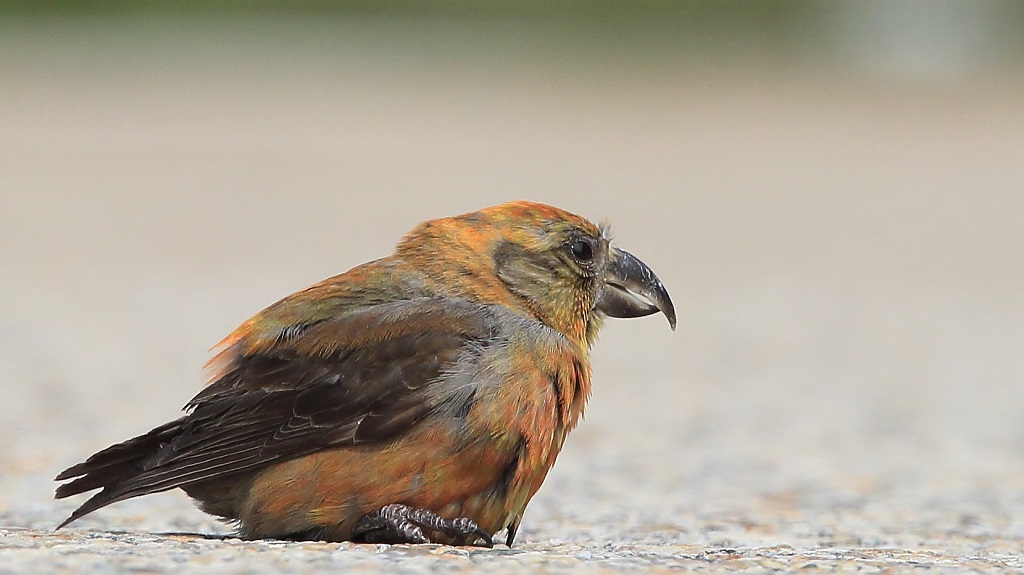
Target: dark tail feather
(111, 467)
(101, 499)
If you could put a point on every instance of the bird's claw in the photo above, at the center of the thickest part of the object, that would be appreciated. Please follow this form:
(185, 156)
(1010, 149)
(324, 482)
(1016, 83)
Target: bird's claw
(398, 523)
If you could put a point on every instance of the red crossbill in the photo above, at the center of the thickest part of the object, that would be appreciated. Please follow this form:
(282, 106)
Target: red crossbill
(420, 397)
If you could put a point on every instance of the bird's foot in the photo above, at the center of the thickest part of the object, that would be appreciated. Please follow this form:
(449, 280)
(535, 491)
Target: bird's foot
(397, 523)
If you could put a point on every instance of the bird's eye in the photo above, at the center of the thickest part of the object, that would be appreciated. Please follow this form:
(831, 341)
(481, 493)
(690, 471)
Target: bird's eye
(581, 250)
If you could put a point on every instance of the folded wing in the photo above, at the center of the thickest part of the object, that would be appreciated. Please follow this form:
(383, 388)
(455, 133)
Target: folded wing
(364, 376)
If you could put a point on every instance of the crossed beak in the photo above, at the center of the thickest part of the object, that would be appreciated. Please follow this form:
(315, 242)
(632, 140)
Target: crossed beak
(631, 289)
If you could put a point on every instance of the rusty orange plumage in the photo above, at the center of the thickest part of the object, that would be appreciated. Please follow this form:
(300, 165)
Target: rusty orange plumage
(419, 397)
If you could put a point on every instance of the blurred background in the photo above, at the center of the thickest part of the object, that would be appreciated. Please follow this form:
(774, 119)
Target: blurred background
(832, 192)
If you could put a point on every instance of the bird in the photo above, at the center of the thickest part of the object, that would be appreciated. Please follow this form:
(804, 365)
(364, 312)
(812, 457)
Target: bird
(418, 398)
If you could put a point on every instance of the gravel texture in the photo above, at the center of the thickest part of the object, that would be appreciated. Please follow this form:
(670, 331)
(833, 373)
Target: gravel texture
(844, 248)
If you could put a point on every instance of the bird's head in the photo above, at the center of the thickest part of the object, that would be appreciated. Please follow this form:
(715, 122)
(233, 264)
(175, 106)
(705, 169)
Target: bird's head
(541, 261)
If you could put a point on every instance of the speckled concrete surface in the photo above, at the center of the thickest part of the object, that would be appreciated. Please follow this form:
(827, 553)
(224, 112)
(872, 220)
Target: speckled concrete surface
(844, 248)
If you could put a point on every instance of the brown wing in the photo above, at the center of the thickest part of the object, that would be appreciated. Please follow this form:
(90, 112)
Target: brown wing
(361, 377)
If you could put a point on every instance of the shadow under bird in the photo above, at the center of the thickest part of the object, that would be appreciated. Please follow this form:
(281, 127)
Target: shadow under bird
(417, 398)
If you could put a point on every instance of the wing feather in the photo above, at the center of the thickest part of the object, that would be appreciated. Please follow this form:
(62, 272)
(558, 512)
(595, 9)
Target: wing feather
(364, 376)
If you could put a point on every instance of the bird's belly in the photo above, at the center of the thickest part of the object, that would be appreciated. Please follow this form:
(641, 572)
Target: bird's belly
(432, 469)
